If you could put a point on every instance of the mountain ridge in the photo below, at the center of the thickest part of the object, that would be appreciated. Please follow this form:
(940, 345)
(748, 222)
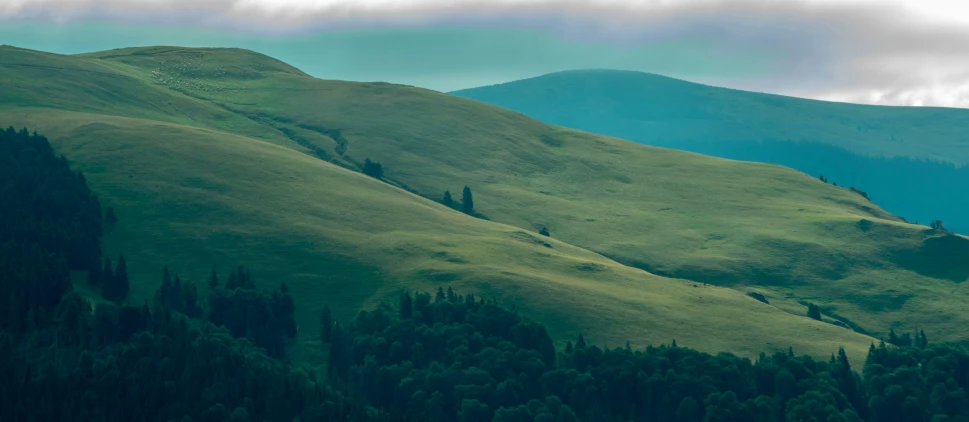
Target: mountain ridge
(908, 159)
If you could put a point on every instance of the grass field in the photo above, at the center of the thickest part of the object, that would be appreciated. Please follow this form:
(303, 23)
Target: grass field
(242, 185)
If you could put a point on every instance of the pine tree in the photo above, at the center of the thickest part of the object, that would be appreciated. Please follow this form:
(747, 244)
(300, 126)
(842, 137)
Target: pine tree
(406, 306)
(326, 324)
(233, 282)
(109, 217)
(213, 279)
(121, 279)
(191, 298)
(892, 337)
(249, 284)
(581, 342)
(568, 347)
(163, 296)
(108, 280)
(107, 273)
(337, 351)
(94, 276)
(439, 297)
(451, 297)
(843, 360)
(814, 312)
(447, 200)
(467, 201)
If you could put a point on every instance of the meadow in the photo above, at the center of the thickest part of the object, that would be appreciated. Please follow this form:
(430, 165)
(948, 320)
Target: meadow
(225, 157)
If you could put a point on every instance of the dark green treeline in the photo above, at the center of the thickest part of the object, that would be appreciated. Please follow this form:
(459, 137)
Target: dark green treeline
(454, 358)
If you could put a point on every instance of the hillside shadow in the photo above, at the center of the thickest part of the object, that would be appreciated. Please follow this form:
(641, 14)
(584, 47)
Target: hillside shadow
(943, 257)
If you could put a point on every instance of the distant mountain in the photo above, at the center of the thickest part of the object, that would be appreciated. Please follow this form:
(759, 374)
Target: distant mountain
(909, 160)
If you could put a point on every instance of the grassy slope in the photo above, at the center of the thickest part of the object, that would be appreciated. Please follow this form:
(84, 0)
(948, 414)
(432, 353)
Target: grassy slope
(192, 198)
(668, 110)
(673, 213)
(676, 213)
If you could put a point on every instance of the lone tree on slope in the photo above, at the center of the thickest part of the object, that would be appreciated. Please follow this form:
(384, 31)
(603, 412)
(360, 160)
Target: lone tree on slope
(326, 324)
(814, 311)
(467, 201)
(447, 200)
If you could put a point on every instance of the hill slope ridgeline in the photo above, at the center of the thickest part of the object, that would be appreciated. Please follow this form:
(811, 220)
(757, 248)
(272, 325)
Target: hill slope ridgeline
(910, 160)
(224, 156)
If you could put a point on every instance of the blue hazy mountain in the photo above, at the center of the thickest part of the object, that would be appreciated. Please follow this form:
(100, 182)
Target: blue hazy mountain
(912, 161)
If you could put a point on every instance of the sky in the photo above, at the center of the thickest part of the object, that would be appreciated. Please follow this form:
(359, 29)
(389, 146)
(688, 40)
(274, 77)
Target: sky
(890, 52)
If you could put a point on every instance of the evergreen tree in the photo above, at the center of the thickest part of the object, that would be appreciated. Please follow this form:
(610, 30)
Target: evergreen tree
(447, 200)
(326, 324)
(406, 306)
(213, 279)
(568, 347)
(581, 342)
(191, 299)
(814, 312)
(843, 360)
(107, 274)
(109, 216)
(94, 276)
(439, 297)
(121, 279)
(338, 359)
(467, 201)
(544, 231)
(233, 282)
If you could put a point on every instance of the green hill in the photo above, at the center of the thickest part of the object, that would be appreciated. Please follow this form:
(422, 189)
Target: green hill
(909, 160)
(211, 157)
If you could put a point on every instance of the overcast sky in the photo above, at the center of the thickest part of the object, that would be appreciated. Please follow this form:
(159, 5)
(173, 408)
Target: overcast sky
(893, 52)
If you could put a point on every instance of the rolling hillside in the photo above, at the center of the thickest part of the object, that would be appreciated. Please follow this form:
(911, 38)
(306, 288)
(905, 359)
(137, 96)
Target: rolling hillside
(909, 160)
(218, 157)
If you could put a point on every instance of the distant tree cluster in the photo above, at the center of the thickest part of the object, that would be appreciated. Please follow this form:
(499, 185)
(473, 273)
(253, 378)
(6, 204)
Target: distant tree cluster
(114, 281)
(851, 188)
(467, 201)
(916, 339)
(264, 317)
(373, 169)
(937, 225)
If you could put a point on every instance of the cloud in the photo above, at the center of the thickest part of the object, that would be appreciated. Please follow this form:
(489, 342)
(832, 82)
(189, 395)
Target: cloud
(882, 52)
